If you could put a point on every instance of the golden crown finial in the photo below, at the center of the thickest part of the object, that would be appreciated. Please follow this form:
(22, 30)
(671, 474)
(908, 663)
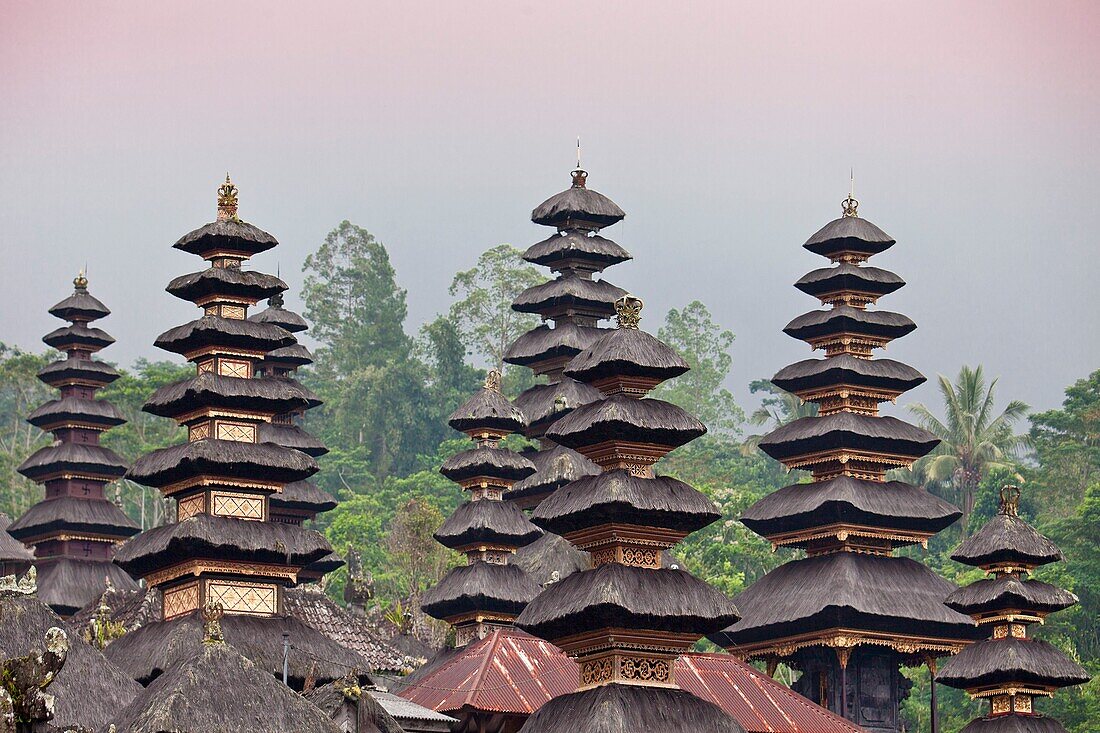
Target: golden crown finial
(579, 177)
(1010, 500)
(80, 282)
(628, 311)
(212, 614)
(492, 380)
(227, 201)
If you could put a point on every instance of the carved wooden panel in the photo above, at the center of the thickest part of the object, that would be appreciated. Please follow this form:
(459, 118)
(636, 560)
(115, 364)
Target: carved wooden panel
(181, 600)
(198, 432)
(245, 598)
(242, 433)
(190, 506)
(241, 506)
(234, 368)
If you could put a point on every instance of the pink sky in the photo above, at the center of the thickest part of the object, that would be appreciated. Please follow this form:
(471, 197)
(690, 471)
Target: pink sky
(726, 131)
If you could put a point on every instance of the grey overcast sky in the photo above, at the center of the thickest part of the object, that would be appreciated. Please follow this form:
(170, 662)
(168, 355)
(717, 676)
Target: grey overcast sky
(725, 130)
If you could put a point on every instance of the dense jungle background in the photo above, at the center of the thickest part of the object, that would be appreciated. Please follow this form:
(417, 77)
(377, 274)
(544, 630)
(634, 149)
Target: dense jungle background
(388, 392)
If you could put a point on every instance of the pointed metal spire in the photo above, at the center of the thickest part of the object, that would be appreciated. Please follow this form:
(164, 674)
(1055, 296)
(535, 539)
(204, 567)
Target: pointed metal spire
(850, 205)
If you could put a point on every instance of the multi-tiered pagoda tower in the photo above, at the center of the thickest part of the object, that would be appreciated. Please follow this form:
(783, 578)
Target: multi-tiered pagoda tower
(1009, 668)
(75, 529)
(299, 501)
(225, 547)
(850, 613)
(627, 619)
(488, 591)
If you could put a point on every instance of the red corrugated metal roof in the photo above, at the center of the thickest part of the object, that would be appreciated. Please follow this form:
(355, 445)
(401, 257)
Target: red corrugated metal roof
(510, 671)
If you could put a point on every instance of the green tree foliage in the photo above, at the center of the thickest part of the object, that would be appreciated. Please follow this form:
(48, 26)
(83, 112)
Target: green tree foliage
(20, 392)
(975, 438)
(1067, 445)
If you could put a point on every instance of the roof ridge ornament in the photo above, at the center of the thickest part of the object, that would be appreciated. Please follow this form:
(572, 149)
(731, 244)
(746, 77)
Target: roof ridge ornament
(80, 282)
(212, 614)
(492, 380)
(628, 311)
(850, 205)
(1010, 500)
(276, 300)
(227, 201)
(579, 177)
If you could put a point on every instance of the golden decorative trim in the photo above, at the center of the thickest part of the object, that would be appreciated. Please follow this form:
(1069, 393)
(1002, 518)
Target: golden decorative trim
(628, 669)
(238, 432)
(225, 567)
(847, 638)
(241, 506)
(235, 368)
(190, 507)
(205, 480)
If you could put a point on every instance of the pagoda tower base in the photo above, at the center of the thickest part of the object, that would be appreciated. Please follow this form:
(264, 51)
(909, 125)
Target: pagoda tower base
(868, 691)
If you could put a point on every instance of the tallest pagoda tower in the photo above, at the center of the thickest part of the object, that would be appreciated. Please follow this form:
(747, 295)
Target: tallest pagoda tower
(850, 614)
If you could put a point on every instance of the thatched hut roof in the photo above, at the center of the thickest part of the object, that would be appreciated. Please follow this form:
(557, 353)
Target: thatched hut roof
(596, 297)
(1022, 661)
(80, 306)
(627, 597)
(487, 409)
(293, 355)
(291, 436)
(229, 458)
(565, 339)
(97, 460)
(96, 516)
(576, 245)
(480, 586)
(577, 207)
(89, 689)
(851, 278)
(498, 462)
(624, 418)
(76, 409)
(848, 430)
(849, 234)
(545, 403)
(85, 369)
(847, 319)
(1014, 724)
(214, 390)
(627, 352)
(1006, 538)
(12, 550)
(1009, 592)
(847, 369)
(227, 235)
(550, 554)
(303, 495)
(67, 584)
(556, 468)
(281, 317)
(487, 521)
(225, 282)
(78, 334)
(228, 332)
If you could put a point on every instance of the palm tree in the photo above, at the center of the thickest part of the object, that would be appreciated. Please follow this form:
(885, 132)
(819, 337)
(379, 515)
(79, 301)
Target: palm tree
(776, 410)
(973, 441)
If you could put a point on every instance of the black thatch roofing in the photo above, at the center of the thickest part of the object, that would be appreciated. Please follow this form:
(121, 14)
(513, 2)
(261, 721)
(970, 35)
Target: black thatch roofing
(577, 207)
(291, 436)
(80, 306)
(626, 352)
(232, 235)
(73, 457)
(847, 590)
(303, 495)
(596, 296)
(565, 339)
(545, 403)
(76, 409)
(849, 277)
(487, 521)
(1014, 724)
(848, 430)
(499, 463)
(556, 467)
(576, 245)
(68, 584)
(618, 496)
(1009, 592)
(847, 369)
(78, 333)
(213, 330)
(281, 317)
(204, 535)
(625, 597)
(229, 458)
(487, 409)
(480, 586)
(296, 355)
(216, 689)
(1022, 661)
(888, 505)
(84, 369)
(367, 713)
(312, 399)
(1007, 538)
(846, 319)
(98, 516)
(848, 234)
(618, 708)
(88, 689)
(226, 282)
(11, 550)
(132, 607)
(625, 418)
(549, 554)
(147, 652)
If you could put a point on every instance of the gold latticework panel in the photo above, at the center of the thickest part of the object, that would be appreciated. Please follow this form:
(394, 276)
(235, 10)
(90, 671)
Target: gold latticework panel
(236, 431)
(190, 506)
(234, 368)
(181, 600)
(631, 669)
(235, 312)
(241, 506)
(206, 367)
(248, 598)
(198, 432)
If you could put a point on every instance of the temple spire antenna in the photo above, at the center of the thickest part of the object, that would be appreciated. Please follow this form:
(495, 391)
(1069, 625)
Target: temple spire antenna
(850, 205)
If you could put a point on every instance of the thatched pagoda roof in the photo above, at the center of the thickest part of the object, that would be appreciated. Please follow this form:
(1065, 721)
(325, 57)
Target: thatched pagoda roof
(1022, 661)
(595, 296)
(226, 282)
(620, 417)
(847, 369)
(291, 436)
(303, 495)
(80, 335)
(565, 339)
(80, 306)
(550, 554)
(618, 496)
(84, 369)
(626, 352)
(483, 460)
(848, 277)
(76, 409)
(226, 332)
(849, 234)
(848, 430)
(1006, 538)
(556, 466)
(1014, 724)
(98, 460)
(480, 586)
(214, 390)
(88, 690)
(489, 522)
(576, 245)
(67, 584)
(847, 319)
(11, 549)
(79, 514)
(281, 317)
(545, 403)
(229, 458)
(577, 207)
(227, 235)
(1009, 592)
(627, 597)
(488, 409)
(888, 505)
(216, 688)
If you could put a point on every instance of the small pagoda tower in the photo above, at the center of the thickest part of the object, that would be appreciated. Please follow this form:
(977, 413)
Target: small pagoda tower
(1008, 668)
(75, 529)
(225, 547)
(850, 613)
(488, 591)
(627, 619)
(299, 501)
